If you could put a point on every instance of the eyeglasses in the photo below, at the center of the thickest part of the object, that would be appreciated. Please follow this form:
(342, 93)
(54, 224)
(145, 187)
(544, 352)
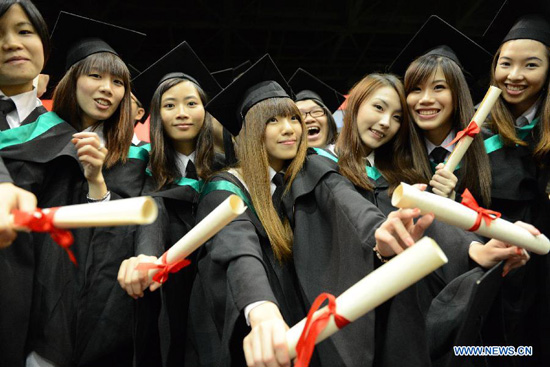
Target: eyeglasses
(314, 113)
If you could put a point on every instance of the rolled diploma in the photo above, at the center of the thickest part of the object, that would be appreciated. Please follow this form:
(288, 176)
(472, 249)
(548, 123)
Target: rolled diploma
(228, 210)
(456, 214)
(376, 288)
(140, 210)
(463, 144)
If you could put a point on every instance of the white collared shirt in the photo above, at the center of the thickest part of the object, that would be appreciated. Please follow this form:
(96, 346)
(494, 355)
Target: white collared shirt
(135, 140)
(25, 103)
(370, 158)
(431, 146)
(182, 160)
(528, 116)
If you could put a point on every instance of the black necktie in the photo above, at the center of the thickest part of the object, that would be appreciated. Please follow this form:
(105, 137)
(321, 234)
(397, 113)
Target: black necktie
(6, 106)
(190, 171)
(438, 155)
(278, 180)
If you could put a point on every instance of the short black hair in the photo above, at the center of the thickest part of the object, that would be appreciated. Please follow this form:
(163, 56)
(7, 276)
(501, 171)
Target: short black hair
(36, 19)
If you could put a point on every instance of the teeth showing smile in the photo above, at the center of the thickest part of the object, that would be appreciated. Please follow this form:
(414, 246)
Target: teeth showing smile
(377, 133)
(516, 88)
(427, 112)
(313, 130)
(103, 102)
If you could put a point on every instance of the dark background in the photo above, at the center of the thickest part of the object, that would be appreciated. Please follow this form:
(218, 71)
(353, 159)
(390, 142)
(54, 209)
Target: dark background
(338, 41)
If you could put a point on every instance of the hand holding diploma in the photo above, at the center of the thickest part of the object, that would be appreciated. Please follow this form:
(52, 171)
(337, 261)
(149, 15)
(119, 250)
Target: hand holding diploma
(13, 197)
(133, 276)
(478, 220)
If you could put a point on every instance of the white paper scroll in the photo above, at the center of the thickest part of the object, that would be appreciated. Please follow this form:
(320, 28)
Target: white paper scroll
(376, 288)
(463, 144)
(456, 214)
(140, 210)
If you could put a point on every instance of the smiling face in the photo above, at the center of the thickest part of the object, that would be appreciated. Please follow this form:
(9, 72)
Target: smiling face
(182, 113)
(431, 105)
(98, 95)
(379, 118)
(521, 72)
(21, 52)
(282, 139)
(316, 123)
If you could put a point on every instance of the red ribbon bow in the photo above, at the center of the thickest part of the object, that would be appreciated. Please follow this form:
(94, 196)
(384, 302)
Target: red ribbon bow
(471, 130)
(42, 221)
(165, 268)
(306, 343)
(485, 214)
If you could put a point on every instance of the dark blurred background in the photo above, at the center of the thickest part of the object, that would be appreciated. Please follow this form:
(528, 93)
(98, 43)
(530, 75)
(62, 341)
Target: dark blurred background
(338, 41)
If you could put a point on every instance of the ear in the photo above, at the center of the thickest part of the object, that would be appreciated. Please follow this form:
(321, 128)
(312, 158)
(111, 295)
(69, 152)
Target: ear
(140, 113)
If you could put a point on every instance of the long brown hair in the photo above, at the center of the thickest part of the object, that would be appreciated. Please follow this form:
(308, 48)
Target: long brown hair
(163, 152)
(475, 171)
(502, 121)
(394, 159)
(118, 128)
(254, 163)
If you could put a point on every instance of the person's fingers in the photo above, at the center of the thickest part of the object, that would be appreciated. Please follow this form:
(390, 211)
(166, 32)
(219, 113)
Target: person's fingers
(268, 355)
(532, 229)
(154, 286)
(122, 274)
(26, 201)
(256, 347)
(280, 347)
(401, 232)
(421, 225)
(247, 347)
(420, 186)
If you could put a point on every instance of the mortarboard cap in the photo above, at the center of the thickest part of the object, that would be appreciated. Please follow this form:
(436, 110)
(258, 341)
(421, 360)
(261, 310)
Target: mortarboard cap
(515, 20)
(180, 62)
(437, 37)
(306, 86)
(75, 37)
(261, 81)
(226, 76)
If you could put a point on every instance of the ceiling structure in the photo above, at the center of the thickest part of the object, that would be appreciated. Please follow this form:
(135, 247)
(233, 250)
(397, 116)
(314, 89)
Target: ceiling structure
(338, 41)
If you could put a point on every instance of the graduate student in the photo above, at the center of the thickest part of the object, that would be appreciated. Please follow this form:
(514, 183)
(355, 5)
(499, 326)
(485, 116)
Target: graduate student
(440, 104)
(317, 102)
(181, 154)
(516, 138)
(24, 48)
(81, 314)
(249, 278)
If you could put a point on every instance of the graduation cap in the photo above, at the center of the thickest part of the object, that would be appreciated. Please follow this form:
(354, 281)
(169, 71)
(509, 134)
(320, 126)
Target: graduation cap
(261, 81)
(437, 37)
(459, 312)
(226, 76)
(75, 37)
(515, 20)
(306, 86)
(180, 62)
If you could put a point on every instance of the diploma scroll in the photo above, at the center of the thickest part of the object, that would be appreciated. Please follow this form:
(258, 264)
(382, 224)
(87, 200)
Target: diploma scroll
(376, 288)
(140, 210)
(456, 214)
(228, 210)
(464, 143)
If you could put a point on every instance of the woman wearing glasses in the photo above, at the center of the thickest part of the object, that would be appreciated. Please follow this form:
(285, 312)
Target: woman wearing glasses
(317, 102)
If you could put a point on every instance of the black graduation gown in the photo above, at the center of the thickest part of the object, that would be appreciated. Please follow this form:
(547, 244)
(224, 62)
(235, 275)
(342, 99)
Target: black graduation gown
(27, 154)
(161, 317)
(326, 210)
(236, 268)
(83, 317)
(518, 192)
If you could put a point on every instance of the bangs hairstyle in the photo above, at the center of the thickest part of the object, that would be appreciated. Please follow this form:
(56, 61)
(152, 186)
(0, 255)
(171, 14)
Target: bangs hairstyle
(163, 153)
(394, 159)
(475, 170)
(502, 121)
(254, 163)
(118, 129)
(36, 20)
